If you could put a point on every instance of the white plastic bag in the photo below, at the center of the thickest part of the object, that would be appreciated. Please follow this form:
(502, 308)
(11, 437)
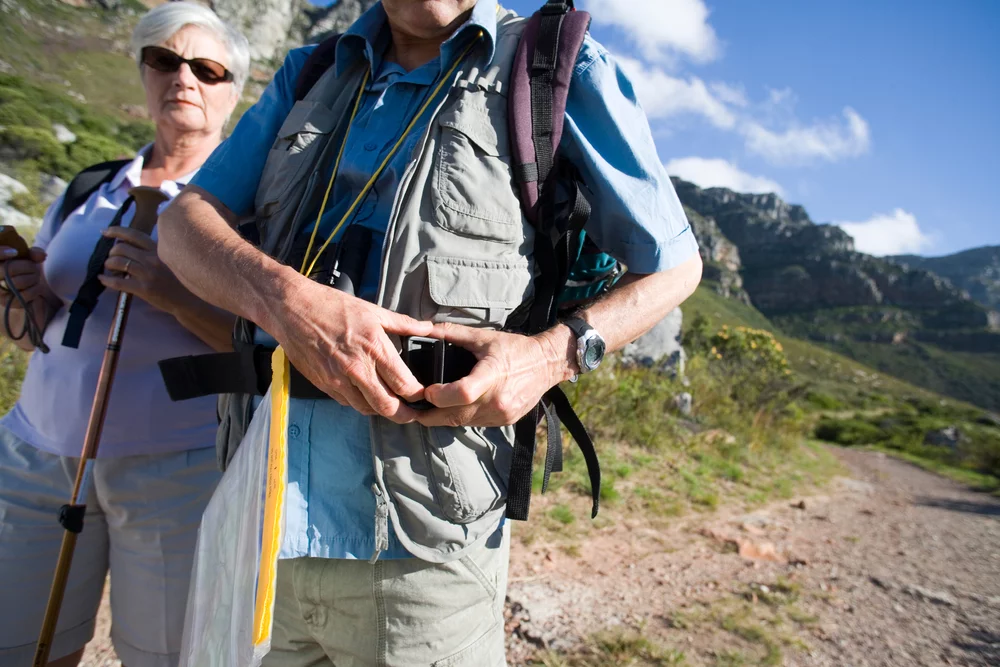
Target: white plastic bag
(231, 599)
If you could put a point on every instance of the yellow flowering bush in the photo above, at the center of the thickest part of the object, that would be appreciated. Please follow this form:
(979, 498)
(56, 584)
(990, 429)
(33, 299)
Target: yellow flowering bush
(757, 348)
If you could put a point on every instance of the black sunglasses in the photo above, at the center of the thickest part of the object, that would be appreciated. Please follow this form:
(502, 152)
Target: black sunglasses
(165, 60)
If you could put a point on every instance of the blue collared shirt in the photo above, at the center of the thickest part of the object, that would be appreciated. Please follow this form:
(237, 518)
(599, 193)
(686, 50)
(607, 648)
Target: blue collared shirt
(330, 508)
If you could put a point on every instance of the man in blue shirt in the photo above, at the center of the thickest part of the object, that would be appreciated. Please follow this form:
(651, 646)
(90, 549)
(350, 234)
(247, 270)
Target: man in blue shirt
(332, 605)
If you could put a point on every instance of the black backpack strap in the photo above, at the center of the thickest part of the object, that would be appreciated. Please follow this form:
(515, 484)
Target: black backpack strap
(320, 60)
(92, 288)
(558, 400)
(86, 183)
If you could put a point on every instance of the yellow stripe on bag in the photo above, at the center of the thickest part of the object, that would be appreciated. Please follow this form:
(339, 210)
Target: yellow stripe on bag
(274, 498)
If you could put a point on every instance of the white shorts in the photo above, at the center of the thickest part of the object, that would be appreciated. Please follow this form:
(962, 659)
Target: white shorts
(142, 522)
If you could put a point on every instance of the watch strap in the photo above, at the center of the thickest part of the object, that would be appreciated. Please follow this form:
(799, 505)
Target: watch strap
(578, 326)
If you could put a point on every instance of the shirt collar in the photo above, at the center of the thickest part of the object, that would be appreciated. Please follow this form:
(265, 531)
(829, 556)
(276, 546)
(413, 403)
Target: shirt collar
(131, 174)
(368, 38)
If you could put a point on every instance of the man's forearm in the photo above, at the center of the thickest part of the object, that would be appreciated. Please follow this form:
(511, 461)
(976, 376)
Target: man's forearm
(633, 307)
(199, 243)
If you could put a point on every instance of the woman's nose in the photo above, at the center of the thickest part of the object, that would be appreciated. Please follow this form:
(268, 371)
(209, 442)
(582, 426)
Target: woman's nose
(185, 77)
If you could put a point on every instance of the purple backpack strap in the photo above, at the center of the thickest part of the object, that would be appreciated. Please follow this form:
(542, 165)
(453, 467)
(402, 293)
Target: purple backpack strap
(539, 86)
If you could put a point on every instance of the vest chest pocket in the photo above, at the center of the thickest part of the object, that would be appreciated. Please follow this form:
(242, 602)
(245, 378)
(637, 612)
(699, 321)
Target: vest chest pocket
(472, 191)
(300, 140)
(474, 292)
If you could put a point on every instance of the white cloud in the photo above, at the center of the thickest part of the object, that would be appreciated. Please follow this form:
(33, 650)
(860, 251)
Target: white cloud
(734, 95)
(719, 173)
(663, 96)
(661, 28)
(825, 140)
(893, 233)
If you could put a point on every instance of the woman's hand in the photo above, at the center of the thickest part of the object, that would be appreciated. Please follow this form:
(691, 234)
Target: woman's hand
(134, 267)
(25, 275)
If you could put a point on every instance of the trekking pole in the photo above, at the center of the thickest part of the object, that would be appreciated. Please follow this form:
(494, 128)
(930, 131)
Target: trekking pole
(147, 201)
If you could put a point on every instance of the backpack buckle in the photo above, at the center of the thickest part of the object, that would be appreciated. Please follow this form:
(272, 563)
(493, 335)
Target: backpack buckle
(556, 7)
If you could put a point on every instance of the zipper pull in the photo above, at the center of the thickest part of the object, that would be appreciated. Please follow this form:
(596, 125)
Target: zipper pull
(381, 523)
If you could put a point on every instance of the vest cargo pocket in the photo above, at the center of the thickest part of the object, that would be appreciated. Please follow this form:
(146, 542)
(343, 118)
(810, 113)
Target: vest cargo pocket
(472, 190)
(474, 292)
(295, 148)
(464, 479)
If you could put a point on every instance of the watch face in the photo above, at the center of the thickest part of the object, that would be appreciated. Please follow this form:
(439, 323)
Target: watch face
(594, 353)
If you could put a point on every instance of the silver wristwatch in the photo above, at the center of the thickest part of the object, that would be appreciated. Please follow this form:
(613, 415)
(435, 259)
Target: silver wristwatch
(589, 344)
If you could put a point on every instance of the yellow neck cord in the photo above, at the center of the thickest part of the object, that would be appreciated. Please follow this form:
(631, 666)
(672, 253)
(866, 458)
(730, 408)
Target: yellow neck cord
(307, 266)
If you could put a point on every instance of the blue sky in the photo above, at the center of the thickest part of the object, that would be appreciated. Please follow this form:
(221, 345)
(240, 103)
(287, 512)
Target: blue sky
(880, 115)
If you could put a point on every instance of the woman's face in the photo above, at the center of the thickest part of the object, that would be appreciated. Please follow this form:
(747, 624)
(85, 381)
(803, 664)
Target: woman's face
(178, 100)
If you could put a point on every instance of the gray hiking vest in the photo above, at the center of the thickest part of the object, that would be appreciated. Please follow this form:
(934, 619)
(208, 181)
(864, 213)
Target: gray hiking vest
(457, 249)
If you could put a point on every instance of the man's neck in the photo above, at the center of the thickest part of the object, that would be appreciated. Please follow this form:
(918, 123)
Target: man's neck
(410, 51)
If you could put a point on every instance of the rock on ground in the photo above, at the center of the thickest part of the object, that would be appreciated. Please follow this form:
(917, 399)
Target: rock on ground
(660, 347)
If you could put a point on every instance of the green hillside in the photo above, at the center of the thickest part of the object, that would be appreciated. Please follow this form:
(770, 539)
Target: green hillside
(849, 403)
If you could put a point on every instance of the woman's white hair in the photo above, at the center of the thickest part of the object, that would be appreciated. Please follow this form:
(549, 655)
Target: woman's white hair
(160, 23)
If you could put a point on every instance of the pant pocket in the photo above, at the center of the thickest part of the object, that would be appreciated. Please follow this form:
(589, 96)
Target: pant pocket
(487, 651)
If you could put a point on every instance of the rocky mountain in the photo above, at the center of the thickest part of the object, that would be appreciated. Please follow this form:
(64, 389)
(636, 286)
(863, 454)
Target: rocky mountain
(977, 271)
(790, 265)
(895, 315)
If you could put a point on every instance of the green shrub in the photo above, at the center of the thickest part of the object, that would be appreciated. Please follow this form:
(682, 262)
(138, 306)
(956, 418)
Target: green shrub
(29, 143)
(821, 401)
(849, 432)
(90, 149)
(21, 112)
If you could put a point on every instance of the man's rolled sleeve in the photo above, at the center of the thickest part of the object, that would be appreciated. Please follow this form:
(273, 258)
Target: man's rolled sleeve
(233, 171)
(636, 216)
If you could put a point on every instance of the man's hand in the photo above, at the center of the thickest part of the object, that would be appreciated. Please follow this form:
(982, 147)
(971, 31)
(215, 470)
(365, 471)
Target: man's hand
(342, 345)
(508, 381)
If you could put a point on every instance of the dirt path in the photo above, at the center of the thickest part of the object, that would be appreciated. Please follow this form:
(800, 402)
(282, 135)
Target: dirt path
(893, 566)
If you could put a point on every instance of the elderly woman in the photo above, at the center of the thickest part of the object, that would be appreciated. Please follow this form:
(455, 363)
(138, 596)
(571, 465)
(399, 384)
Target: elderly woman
(156, 468)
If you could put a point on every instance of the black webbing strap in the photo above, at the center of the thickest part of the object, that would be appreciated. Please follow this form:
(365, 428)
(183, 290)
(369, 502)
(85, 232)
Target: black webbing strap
(85, 183)
(92, 288)
(248, 371)
(556, 248)
(521, 465)
(553, 448)
(245, 372)
(571, 421)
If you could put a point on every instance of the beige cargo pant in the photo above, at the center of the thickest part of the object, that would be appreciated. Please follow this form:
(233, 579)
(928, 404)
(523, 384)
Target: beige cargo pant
(393, 613)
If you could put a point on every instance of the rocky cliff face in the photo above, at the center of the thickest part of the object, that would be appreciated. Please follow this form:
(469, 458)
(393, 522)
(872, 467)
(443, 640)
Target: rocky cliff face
(720, 256)
(811, 276)
(274, 26)
(977, 271)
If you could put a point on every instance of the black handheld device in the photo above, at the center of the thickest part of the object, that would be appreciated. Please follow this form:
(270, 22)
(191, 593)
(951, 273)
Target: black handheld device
(434, 361)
